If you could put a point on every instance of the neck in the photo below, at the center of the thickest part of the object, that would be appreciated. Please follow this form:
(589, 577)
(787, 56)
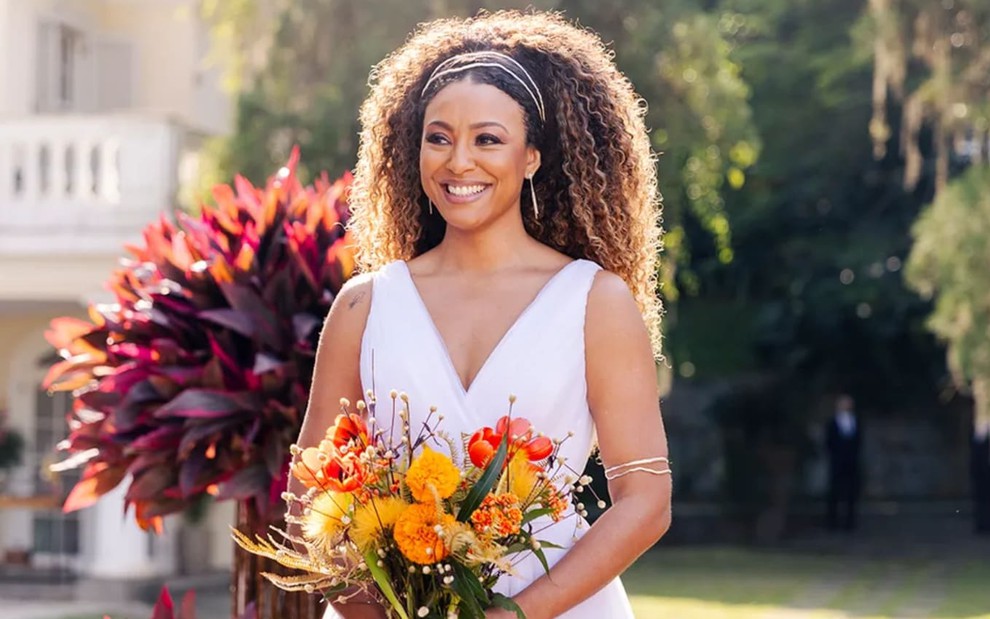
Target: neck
(501, 245)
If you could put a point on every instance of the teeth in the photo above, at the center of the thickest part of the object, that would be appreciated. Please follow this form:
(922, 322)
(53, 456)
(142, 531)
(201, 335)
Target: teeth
(466, 190)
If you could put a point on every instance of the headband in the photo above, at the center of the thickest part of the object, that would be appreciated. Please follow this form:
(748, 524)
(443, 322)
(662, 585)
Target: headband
(489, 59)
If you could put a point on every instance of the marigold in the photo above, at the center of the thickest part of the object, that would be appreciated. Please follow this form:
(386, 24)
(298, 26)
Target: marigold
(325, 519)
(498, 516)
(416, 535)
(432, 472)
(373, 518)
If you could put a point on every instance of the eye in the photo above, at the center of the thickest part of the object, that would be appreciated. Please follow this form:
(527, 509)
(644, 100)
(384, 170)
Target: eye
(487, 139)
(436, 138)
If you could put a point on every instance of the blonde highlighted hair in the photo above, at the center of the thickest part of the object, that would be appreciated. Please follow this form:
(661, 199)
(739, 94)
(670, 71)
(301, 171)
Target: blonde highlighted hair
(597, 183)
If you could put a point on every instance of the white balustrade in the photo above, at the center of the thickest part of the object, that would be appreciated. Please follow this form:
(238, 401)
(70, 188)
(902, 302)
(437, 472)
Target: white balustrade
(84, 183)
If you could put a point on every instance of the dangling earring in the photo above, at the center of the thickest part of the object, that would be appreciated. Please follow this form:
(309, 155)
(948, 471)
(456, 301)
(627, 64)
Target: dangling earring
(431, 205)
(532, 192)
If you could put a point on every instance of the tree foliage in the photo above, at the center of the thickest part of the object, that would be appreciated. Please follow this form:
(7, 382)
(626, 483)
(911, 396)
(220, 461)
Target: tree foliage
(950, 262)
(303, 82)
(935, 58)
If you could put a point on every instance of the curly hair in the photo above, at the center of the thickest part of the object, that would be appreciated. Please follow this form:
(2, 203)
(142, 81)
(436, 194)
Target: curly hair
(597, 182)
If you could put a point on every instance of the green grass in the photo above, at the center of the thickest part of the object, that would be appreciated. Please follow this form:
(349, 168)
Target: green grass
(733, 583)
(715, 583)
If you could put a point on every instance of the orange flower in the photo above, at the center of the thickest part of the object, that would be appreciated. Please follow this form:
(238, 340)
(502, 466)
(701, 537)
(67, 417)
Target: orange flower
(498, 516)
(339, 473)
(348, 428)
(430, 473)
(484, 442)
(345, 473)
(558, 504)
(308, 468)
(416, 535)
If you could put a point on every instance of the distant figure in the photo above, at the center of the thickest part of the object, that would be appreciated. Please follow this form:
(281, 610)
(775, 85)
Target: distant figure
(843, 437)
(980, 475)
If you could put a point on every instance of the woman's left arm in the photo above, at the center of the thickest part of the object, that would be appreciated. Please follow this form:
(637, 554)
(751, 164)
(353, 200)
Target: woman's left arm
(624, 401)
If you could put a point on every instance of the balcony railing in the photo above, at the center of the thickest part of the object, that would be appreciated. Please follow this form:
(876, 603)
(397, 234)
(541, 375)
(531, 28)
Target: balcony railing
(84, 183)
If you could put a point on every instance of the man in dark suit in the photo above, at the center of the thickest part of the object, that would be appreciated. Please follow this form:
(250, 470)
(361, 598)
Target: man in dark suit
(843, 440)
(980, 475)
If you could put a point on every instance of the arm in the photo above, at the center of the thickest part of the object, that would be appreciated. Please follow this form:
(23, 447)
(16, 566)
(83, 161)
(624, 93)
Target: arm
(624, 401)
(336, 375)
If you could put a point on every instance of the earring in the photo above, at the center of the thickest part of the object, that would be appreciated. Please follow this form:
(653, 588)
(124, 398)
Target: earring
(431, 205)
(532, 192)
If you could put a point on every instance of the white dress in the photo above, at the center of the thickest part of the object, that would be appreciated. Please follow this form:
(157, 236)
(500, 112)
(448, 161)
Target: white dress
(540, 359)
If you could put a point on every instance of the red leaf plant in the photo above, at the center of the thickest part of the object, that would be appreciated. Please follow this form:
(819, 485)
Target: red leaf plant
(195, 380)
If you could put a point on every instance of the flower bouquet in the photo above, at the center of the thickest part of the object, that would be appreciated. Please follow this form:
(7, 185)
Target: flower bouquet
(424, 523)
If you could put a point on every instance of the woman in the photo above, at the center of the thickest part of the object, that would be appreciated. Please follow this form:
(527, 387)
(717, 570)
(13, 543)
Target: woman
(504, 162)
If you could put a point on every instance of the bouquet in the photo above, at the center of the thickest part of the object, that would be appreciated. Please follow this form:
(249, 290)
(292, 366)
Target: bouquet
(424, 523)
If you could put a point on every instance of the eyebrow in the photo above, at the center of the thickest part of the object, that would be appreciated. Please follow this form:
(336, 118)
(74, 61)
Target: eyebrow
(479, 125)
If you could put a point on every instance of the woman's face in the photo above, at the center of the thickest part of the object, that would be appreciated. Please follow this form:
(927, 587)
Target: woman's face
(474, 156)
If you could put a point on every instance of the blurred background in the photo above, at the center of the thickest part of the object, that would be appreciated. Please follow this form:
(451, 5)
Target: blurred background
(824, 169)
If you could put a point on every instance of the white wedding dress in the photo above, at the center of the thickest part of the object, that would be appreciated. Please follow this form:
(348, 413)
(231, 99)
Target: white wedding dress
(540, 359)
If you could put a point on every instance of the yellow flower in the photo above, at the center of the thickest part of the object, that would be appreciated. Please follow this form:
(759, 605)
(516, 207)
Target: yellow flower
(325, 519)
(372, 518)
(522, 477)
(432, 472)
(416, 535)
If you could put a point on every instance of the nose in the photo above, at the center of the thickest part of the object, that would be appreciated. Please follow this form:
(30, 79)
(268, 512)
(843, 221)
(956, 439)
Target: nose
(461, 158)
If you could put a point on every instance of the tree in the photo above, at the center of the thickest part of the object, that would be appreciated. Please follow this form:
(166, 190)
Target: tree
(675, 55)
(950, 263)
(935, 58)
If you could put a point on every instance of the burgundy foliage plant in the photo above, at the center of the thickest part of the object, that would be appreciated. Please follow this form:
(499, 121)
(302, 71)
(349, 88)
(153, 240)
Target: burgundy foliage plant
(194, 381)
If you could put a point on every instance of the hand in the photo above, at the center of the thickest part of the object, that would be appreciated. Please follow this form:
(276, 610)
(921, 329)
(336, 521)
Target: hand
(499, 613)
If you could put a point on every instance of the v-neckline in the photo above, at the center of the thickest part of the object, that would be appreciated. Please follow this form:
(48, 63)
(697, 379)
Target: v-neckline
(465, 391)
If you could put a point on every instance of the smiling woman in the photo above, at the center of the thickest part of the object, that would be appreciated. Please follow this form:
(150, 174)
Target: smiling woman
(475, 152)
(505, 213)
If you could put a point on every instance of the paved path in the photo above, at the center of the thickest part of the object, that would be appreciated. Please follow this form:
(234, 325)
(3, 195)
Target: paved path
(19, 609)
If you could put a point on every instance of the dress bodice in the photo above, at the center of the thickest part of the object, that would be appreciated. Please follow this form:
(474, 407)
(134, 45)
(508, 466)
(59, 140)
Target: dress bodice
(540, 360)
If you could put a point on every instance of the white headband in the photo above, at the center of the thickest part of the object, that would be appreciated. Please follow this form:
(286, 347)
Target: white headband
(478, 59)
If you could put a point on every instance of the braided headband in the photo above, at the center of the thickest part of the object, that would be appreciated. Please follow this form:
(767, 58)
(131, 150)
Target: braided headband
(490, 59)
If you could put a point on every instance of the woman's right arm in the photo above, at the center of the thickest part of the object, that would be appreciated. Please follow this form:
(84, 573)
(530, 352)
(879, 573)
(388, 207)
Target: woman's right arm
(337, 375)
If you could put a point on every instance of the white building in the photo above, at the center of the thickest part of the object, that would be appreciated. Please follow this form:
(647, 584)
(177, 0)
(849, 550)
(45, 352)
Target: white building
(103, 104)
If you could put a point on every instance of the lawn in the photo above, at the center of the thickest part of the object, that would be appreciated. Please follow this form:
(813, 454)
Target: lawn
(710, 583)
(734, 583)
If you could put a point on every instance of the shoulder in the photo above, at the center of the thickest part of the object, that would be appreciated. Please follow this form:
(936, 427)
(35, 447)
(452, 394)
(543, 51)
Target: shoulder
(610, 298)
(356, 291)
(613, 316)
(350, 309)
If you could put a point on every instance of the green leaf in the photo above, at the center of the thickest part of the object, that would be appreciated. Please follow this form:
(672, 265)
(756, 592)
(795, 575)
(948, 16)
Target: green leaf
(507, 603)
(381, 579)
(488, 479)
(543, 558)
(536, 513)
(473, 596)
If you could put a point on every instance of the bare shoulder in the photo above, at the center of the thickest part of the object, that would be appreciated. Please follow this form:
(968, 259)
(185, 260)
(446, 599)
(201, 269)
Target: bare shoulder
(350, 309)
(611, 303)
(356, 292)
(614, 325)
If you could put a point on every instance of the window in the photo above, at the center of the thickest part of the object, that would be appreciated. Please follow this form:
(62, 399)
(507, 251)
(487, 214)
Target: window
(61, 62)
(55, 533)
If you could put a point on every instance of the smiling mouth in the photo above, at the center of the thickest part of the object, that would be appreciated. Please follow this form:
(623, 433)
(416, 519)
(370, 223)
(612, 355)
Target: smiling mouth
(465, 191)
